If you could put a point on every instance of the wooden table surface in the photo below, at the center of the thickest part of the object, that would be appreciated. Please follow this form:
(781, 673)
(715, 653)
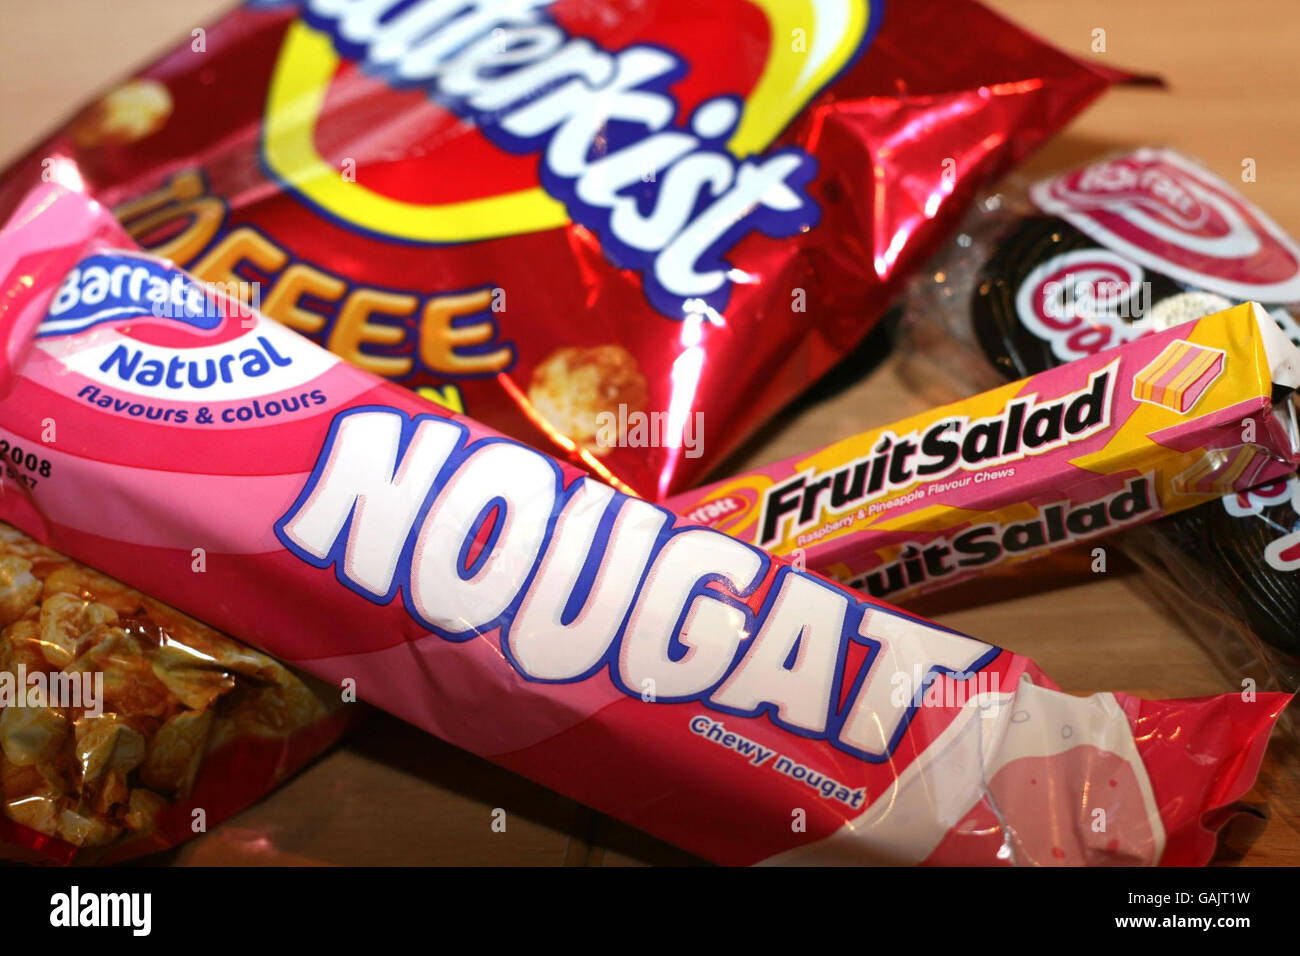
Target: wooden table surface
(392, 794)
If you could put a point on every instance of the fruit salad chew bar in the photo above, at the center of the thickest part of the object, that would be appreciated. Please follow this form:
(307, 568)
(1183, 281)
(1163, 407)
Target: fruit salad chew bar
(1110, 440)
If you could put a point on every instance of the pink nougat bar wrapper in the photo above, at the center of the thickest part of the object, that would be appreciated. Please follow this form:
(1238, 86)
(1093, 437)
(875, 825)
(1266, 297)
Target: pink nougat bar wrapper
(664, 673)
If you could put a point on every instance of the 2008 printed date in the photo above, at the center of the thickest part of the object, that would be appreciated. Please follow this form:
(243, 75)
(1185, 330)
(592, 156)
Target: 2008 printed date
(23, 467)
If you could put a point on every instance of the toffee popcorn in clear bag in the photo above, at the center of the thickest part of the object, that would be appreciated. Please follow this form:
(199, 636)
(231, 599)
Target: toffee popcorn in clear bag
(124, 722)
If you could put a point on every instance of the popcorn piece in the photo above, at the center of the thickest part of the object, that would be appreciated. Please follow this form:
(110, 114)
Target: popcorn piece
(40, 811)
(24, 640)
(574, 386)
(274, 710)
(13, 541)
(131, 112)
(196, 680)
(107, 743)
(130, 685)
(30, 735)
(83, 582)
(143, 809)
(19, 588)
(82, 829)
(200, 643)
(176, 751)
(66, 625)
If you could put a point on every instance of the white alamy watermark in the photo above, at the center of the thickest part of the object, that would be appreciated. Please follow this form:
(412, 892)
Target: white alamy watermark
(636, 429)
(188, 298)
(1083, 297)
(75, 908)
(84, 690)
(919, 688)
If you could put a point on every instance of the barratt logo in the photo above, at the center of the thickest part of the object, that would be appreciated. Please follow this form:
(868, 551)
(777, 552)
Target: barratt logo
(578, 131)
(125, 326)
(116, 287)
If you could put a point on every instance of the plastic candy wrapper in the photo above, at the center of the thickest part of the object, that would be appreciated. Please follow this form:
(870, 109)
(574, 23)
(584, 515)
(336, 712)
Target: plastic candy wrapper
(121, 717)
(1229, 569)
(1071, 453)
(663, 673)
(1110, 253)
(580, 222)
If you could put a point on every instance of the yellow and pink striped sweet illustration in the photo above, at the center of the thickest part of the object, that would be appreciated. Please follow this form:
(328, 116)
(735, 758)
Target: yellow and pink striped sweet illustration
(1222, 470)
(1179, 376)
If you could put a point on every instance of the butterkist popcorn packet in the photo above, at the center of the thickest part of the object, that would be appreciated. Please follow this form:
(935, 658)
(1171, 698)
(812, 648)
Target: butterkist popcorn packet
(664, 673)
(582, 222)
(1159, 425)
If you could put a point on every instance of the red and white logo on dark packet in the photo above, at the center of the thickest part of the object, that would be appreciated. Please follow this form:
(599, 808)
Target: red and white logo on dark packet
(1283, 553)
(1170, 215)
(1083, 302)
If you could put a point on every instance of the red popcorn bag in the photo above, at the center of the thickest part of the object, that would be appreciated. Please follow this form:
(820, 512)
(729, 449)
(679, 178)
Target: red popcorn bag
(608, 229)
(664, 673)
(1122, 249)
